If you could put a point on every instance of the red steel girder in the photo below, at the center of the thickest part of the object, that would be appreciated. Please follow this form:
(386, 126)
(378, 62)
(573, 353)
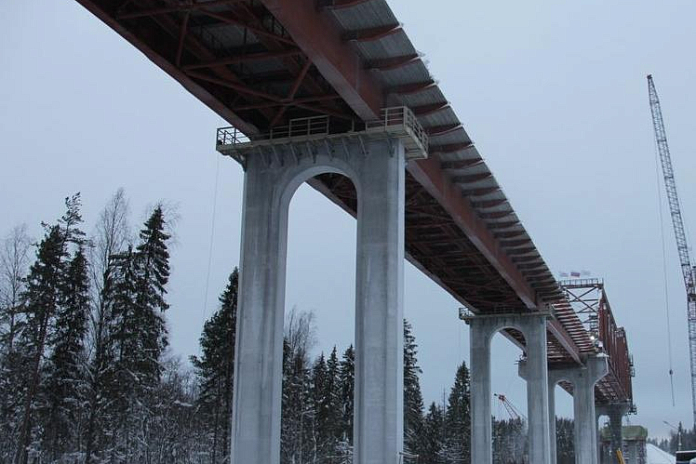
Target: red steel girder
(243, 58)
(170, 68)
(449, 195)
(174, 9)
(316, 34)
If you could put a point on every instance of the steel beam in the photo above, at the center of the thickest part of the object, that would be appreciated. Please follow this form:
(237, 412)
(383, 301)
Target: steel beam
(243, 58)
(174, 9)
(187, 82)
(335, 59)
(439, 185)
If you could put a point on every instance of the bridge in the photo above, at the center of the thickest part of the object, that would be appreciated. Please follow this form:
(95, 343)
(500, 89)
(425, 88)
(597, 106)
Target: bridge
(333, 92)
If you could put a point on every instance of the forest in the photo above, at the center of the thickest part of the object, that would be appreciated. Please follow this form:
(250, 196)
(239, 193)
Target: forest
(87, 374)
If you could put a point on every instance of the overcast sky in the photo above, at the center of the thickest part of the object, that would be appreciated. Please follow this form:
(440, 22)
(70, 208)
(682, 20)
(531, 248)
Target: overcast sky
(553, 93)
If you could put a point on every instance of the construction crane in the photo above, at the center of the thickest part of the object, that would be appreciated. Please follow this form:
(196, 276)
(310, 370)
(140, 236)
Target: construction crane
(687, 267)
(514, 413)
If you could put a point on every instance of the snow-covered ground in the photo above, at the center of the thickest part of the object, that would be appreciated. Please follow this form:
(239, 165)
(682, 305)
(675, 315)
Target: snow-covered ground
(657, 456)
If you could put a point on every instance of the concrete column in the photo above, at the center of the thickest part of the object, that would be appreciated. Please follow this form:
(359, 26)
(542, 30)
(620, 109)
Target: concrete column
(378, 430)
(615, 412)
(259, 349)
(584, 380)
(553, 439)
(376, 167)
(537, 390)
(481, 420)
(533, 326)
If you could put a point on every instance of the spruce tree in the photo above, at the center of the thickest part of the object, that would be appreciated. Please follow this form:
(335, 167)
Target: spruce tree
(152, 274)
(333, 389)
(42, 296)
(413, 398)
(346, 375)
(322, 403)
(565, 443)
(432, 439)
(65, 386)
(138, 338)
(458, 418)
(215, 371)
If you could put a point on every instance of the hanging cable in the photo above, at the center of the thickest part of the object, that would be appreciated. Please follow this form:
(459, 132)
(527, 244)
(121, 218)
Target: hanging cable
(664, 272)
(212, 236)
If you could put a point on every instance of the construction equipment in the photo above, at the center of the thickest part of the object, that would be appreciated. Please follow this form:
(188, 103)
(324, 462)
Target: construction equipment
(679, 231)
(514, 413)
(619, 456)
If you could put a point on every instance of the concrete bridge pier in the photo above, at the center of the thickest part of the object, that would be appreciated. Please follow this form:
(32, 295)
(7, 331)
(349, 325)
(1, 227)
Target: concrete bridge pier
(533, 327)
(615, 412)
(583, 380)
(273, 174)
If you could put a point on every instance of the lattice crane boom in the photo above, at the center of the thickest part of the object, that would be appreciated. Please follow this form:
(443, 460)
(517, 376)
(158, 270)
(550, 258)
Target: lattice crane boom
(687, 267)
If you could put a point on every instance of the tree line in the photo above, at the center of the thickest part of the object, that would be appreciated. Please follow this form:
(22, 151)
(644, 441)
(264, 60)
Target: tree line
(86, 375)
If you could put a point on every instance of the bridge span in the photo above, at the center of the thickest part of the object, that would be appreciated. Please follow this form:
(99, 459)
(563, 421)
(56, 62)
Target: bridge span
(334, 93)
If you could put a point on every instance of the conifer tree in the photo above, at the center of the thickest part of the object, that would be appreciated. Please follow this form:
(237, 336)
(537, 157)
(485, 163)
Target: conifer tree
(138, 337)
(152, 274)
(65, 386)
(458, 418)
(42, 299)
(333, 389)
(346, 375)
(413, 398)
(565, 447)
(215, 371)
(432, 439)
(322, 403)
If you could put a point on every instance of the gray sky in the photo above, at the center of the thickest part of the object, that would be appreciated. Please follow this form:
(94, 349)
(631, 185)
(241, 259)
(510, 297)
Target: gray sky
(553, 93)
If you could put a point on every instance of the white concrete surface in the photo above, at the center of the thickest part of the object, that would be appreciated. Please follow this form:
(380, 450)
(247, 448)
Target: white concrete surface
(272, 176)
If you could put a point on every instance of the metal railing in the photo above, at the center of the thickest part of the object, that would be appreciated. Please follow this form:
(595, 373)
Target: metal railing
(231, 136)
(399, 120)
(399, 116)
(300, 127)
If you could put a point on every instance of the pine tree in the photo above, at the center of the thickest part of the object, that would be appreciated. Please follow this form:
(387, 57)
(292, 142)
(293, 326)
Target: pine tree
(42, 298)
(413, 398)
(65, 385)
(458, 418)
(215, 371)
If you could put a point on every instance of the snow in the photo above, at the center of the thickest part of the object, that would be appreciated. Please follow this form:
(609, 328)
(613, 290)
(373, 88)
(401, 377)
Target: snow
(657, 456)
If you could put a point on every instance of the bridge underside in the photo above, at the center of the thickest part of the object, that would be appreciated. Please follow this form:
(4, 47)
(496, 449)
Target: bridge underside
(261, 63)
